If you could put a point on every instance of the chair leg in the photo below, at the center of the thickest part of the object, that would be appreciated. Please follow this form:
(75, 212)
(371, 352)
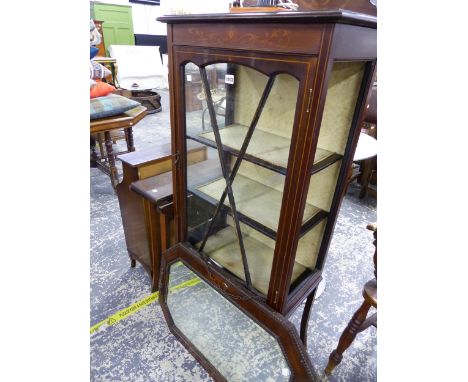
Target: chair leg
(370, 321)
(348, 336)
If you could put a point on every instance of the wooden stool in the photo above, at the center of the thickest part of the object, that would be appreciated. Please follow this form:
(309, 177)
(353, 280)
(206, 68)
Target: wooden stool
(105, 125)
(358, 322)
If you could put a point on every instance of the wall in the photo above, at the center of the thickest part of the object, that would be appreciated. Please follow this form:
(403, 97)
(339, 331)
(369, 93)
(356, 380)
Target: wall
(144, 16)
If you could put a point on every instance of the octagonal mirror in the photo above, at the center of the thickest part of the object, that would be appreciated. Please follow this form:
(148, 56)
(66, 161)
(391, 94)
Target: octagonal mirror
(232, 334)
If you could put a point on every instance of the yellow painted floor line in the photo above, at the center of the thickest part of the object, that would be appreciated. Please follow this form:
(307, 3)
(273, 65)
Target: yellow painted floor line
(124, 313)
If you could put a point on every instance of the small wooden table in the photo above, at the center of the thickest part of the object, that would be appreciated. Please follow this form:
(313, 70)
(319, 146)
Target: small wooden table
(104, 125)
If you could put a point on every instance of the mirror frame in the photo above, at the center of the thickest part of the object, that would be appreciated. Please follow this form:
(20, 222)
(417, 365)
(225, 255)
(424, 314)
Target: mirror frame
(274, 323)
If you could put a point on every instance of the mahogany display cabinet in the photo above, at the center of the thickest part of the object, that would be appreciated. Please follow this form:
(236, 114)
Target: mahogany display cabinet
(285, 94)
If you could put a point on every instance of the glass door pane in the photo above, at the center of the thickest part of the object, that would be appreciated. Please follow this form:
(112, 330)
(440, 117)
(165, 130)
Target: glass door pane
(244, 122)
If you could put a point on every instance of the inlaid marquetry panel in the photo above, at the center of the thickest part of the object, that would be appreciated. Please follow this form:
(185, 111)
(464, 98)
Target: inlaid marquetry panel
(294, 38)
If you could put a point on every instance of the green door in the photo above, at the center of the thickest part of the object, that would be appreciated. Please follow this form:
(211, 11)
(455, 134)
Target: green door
(117, 23)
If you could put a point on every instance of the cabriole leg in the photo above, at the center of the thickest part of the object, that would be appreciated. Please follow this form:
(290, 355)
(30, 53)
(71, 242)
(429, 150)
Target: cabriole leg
(306, 315)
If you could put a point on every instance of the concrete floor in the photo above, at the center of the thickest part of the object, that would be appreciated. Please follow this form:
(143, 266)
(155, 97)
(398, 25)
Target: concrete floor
(141, 348)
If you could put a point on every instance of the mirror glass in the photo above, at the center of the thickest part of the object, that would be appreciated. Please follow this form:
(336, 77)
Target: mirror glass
(234, 344)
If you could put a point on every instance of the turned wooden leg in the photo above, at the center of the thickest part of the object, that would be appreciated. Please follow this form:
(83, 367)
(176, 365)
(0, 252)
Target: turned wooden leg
(129, 136)
(132, 263)
(306, 315)
(348, 336)
(111, 159)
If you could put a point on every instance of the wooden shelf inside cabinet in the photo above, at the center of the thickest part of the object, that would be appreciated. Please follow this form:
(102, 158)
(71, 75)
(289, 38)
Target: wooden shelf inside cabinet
(223, 248)
(265, 149)
(258, 205)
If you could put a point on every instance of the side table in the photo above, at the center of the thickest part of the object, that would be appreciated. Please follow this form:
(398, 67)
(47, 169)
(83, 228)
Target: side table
(105, 125)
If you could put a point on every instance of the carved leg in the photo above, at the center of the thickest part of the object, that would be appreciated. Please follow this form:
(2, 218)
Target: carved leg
(132, 263)
(111, 159)
(306, 315)
(347, 337)
(129, 136)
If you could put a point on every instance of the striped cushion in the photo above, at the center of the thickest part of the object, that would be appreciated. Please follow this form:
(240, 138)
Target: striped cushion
(110, 105)
(96, 70)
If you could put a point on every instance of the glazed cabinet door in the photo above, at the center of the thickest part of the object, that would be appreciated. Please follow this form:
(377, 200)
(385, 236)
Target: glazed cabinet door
(250, 109)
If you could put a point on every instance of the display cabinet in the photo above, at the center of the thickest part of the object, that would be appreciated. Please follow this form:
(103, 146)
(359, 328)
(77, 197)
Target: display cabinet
(284, 94)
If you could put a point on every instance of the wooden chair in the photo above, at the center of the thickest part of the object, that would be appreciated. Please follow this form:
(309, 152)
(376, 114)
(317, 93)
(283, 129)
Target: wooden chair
(219, 102)
(359, 322)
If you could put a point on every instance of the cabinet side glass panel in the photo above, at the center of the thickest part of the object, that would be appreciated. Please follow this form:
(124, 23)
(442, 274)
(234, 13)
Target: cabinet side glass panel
(340, 104)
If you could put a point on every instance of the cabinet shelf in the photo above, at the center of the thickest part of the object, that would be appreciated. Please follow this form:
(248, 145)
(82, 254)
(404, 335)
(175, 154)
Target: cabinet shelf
(265, 149)
(223, 248)
(258, 205)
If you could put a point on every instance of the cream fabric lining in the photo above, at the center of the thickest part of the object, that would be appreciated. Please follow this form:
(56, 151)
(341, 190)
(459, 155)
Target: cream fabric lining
(255, 200)
(342, 93)
(223, 247)
(263, 145)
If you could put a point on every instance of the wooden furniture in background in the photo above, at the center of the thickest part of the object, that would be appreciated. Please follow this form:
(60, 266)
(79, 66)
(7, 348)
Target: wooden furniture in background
(359, 322)
(104, 126)
(100, 46)
(258, 230)
(145, 202)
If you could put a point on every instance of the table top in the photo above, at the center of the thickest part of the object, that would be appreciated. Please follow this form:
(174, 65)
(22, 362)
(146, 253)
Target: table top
(124, 120)
(104, 59)
(366, 147)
